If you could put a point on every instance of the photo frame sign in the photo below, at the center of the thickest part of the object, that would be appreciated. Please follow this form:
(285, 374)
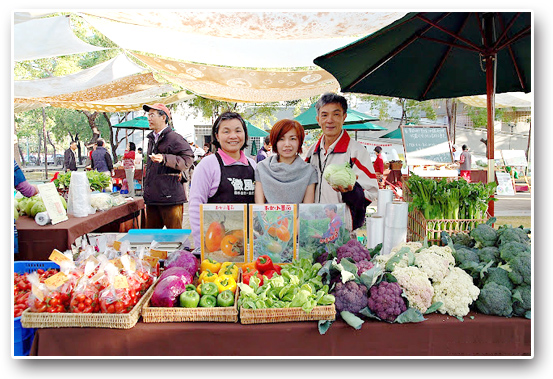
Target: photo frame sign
(273, 232)
(321, 228)
(223, 232)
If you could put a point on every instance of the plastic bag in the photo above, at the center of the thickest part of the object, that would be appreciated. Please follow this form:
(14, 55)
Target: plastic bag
(101, 201)
(112, 299)
(38, 294)
(78, 197)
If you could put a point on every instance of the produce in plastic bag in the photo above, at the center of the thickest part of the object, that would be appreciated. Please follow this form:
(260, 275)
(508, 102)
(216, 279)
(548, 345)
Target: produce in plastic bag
(84, 298)
(101, 201)
(38, 293)
(114, 299)
(168, 290)
(185, 259)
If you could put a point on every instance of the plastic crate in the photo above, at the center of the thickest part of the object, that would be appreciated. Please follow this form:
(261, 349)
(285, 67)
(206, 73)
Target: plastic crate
(23, 337)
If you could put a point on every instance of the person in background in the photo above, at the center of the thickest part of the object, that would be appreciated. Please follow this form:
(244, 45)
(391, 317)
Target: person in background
(138, 157)
(128, 165)
(207, 149)
(70, 157)
(92, 149)
(284, 177)
(21, 184)
(336, 147)
(378, 164)
(169, 154)
(101, 158)
(227, 176)
(265, 150)
(465, 161)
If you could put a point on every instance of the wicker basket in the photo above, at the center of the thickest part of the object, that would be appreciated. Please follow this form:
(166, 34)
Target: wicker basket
(396, 165)
(419, 228)
(271, 315)
(179, 314)
(85, 320)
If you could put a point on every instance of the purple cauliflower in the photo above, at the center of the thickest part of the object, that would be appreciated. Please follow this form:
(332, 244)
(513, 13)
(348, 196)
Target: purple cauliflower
(353, 249)
(322, 258)
(363, 266)
(350, 296)
(386, 302)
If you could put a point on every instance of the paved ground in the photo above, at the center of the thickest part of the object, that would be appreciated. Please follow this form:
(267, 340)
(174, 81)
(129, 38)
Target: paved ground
(518, 205)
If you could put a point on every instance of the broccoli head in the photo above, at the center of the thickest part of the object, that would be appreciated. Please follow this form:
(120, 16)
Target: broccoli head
(521, 268)
(363, 266)
(353, 249)
(506, 233)
(523, 300)
(462, 239)
(465, 255)
(386, 301)
(509, 250)
(484, 235)
(350, 296)
(495, 299)
(490, 253)
(499, 276)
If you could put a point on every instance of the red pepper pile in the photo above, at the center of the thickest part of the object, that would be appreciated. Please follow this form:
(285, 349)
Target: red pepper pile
(263, 266)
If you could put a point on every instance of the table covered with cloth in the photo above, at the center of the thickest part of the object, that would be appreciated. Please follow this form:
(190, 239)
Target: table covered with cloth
(439, 335)
(36, 242)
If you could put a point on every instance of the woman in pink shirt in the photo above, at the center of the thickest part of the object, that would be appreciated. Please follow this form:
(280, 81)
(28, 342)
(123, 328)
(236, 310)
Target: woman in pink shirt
(227, 176)
(128, 164)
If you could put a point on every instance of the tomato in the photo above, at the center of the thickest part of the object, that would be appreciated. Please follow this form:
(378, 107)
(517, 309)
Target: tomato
(214, 236)
(229, 246)
(274, 247)
(283, 234)
(272, 231)
(283, 221)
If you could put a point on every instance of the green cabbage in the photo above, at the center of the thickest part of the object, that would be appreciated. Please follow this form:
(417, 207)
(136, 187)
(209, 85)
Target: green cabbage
(339, 175)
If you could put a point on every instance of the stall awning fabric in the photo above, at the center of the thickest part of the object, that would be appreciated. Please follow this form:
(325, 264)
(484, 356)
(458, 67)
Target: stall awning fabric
(46, 38)
(231, 84)
(238, 39)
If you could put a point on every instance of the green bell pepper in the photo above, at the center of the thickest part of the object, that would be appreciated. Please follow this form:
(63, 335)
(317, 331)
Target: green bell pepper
(209, 288)
(189, 299)
(208, 301)
(190, 287)
(225, 299)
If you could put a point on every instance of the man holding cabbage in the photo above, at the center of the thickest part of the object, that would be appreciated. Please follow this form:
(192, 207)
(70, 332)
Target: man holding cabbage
(343, 163)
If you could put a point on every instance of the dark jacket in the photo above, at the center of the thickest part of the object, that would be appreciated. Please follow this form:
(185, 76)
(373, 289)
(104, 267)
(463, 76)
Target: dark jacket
(101, 160)
(69, 161)
(162, 184)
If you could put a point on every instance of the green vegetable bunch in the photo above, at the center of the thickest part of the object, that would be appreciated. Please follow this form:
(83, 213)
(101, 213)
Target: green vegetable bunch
(98, 180)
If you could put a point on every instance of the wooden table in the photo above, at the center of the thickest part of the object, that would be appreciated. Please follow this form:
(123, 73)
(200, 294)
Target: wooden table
(439, 335)
(37, 242)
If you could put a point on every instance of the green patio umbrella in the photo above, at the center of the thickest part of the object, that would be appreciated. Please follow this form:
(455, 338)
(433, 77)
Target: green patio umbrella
(395, 134)
(254, 149)
(140, 123)
(254, 131)
(309, 121)
(364, 127)
(433, 55)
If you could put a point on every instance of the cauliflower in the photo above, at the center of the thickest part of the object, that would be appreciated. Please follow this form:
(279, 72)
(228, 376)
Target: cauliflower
(495, 299)
(523, 303)
(350, 296)
(363, 266)
(381, 260)
(414, 246)
(456, 292)
(386, 301)
(484, 235)
(353, 249)
(416, 287)
(435, 261)
(340, 175)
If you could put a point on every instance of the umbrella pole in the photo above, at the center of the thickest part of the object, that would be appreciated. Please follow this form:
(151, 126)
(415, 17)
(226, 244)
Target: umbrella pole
(490, 105)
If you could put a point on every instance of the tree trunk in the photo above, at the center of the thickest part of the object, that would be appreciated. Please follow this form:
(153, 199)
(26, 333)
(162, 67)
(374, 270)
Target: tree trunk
(91, 117)
(451, 111)
(39, 133)
(53, 146)
(112, 139)
(45, 145)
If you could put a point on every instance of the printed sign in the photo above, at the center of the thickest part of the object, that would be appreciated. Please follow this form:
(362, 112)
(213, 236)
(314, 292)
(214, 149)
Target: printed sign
(223, 232)
(504, 184)
(52, 202)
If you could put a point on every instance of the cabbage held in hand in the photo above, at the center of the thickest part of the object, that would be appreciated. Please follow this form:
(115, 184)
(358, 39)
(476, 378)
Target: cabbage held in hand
(340, 175)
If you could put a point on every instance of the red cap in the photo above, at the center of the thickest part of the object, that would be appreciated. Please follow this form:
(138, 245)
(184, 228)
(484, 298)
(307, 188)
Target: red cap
(159, 107)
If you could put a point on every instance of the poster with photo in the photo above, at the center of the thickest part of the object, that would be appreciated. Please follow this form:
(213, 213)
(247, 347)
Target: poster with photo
(273, 231)
(223, 232)
(321, 229)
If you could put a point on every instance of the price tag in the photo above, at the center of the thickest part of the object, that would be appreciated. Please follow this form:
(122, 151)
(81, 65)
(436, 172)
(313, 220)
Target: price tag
(120, 281)
(117, 263)
(117, 245)
(57, 257)
(161, 254)
(57, 280)
(152, 261)
(38, 293)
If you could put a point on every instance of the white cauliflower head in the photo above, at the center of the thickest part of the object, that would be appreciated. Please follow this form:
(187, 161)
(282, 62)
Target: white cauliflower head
(435, 261)
(416, 286)
(414, 246)
(456, 291)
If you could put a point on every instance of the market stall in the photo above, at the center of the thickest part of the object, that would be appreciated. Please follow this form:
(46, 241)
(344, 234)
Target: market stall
(37, 242)
(440, 335)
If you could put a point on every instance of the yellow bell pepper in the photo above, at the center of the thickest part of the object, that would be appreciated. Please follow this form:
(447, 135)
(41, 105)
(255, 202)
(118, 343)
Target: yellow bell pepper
(210, 264)
(230, 269)
(207, 276)
(226, 283)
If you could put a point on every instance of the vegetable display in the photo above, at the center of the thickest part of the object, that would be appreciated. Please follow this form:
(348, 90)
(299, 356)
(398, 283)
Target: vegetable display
(22, 288)
(98, 180)
(339, 175)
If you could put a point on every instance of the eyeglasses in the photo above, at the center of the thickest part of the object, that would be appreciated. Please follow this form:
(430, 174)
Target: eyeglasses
(151, 114)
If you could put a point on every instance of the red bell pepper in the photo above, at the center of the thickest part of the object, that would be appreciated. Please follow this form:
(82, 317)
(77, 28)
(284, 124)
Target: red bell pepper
(277, 268)
(247, 276)
(269, 274)
(264, 263)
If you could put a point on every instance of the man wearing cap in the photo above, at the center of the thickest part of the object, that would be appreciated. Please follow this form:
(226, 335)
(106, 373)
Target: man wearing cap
(168, 156)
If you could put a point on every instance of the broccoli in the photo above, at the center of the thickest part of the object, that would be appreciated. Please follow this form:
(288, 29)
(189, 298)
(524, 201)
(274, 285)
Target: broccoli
(350, 296)
(386, 301)
(495, 299)
(509, 250)
(465, 255)
(521, 268)
(484, 235)
(507, 233)
(490, 253)
(462, 239)
(363, 266)
(523, 300)
(353, 249)
(499, 276)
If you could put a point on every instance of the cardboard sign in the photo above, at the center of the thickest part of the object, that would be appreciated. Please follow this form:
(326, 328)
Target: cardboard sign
(120, 281)
(504, 184)
(52, 202)
(426, 145)
(273, 232)
(56, 280)
(159, 254)
(57, 257)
